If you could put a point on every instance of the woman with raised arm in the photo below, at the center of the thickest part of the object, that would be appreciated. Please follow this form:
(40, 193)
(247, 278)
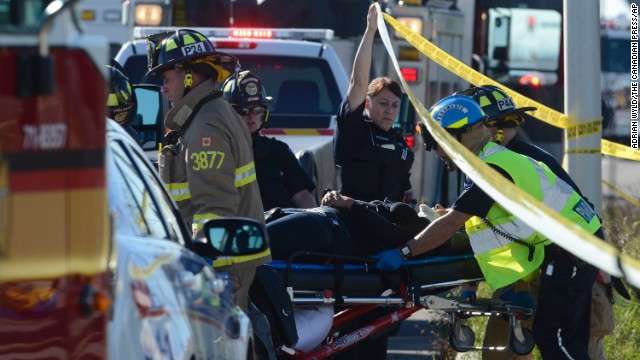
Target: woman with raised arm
(374, 157)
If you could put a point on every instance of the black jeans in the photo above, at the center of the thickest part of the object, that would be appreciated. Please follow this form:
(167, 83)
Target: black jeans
(561, 323)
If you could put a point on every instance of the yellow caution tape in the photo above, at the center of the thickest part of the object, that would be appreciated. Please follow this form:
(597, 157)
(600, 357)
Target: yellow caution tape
(461, 69)
(582, 151)
(585, 129)
(543, 112)
(627, 197)
(537, 215)
(621, 151)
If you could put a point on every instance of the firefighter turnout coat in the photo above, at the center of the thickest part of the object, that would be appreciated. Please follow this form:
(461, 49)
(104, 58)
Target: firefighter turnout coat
(209, 170)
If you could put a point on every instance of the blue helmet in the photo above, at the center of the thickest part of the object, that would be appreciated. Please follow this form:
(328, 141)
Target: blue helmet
(457, 113)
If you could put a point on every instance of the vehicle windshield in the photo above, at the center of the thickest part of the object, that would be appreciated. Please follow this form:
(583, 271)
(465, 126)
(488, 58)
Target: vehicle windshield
(23, 15)
(298, 86)
(522, 41)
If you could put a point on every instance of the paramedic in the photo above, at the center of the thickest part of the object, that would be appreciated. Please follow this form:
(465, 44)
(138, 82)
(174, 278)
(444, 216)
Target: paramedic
(207, 162)
(282, 181)
(561, 324)
(374, 157)
(502, 120)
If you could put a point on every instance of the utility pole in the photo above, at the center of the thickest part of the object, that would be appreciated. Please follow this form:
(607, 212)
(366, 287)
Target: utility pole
(582, 98)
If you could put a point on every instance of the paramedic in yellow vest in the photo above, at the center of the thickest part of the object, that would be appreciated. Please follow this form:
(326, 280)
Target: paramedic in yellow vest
(206, 161)
(506, 248)
(502, 120)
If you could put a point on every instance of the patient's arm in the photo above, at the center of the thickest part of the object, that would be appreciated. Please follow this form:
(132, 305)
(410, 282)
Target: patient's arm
(378, 227)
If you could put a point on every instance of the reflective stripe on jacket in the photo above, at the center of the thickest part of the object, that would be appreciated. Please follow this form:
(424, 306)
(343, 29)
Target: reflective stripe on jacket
(502, 260)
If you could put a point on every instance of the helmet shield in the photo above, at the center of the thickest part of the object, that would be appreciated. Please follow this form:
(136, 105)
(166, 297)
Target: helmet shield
(154, 44)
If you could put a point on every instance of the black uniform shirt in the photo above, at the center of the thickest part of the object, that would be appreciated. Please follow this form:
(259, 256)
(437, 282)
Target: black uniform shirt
(473, 200)
(279, 173)
(375, 164)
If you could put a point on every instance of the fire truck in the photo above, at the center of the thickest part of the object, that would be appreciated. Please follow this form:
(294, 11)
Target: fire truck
(95, 259)
(53, 280)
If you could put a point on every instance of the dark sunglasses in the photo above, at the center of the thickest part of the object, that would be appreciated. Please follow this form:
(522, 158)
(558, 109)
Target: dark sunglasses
(256, 110)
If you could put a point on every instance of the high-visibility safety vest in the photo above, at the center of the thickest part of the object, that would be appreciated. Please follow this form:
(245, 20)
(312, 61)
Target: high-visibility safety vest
(506, 248)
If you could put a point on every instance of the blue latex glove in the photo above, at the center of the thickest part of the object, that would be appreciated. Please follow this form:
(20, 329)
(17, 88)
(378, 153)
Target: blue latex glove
(470, 295)
(521, 298)
(389, 260)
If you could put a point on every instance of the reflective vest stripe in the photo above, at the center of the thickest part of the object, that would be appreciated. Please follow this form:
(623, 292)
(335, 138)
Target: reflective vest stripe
(179, 191)
(555, 194)
(227, 260)
(245, 175)
(200, 219)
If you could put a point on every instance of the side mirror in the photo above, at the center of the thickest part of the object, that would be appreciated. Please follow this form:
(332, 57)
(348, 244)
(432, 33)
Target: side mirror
(149, 120)
(232, 237)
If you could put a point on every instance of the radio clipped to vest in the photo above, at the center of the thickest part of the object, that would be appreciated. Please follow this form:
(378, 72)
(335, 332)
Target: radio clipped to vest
(511, 238)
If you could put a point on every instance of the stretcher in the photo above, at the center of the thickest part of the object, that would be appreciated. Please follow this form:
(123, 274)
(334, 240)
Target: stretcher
(352, 286)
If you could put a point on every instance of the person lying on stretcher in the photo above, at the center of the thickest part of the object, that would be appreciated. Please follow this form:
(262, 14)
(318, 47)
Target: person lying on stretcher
(344, 226)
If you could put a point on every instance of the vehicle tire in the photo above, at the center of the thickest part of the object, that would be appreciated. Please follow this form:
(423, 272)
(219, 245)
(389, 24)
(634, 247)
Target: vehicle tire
(458, 344)
(522, 348)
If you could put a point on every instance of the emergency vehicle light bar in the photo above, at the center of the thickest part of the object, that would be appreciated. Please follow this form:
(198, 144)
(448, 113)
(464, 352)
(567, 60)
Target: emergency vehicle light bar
(243, 33)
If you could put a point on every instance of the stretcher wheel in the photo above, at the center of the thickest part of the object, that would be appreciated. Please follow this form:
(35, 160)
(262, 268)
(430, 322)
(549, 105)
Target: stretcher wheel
(525, 347)
(460, 345)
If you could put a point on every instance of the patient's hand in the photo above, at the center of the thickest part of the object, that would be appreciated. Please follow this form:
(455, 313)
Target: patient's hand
(440, 210)
(336, 200)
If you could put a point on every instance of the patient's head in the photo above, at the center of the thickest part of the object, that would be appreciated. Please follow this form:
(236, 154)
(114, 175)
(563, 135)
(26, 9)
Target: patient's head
(406, 216)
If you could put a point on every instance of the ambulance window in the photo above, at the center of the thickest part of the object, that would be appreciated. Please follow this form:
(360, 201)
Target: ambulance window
(139, 203)
(22, 15)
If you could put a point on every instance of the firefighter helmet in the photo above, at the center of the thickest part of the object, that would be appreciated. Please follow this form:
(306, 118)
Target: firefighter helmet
(182, 48)
(244, 90)
(498, 106)
(121, 100)
(457, 113)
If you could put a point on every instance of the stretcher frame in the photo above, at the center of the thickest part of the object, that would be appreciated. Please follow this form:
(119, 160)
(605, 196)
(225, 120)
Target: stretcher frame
(409, 290)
